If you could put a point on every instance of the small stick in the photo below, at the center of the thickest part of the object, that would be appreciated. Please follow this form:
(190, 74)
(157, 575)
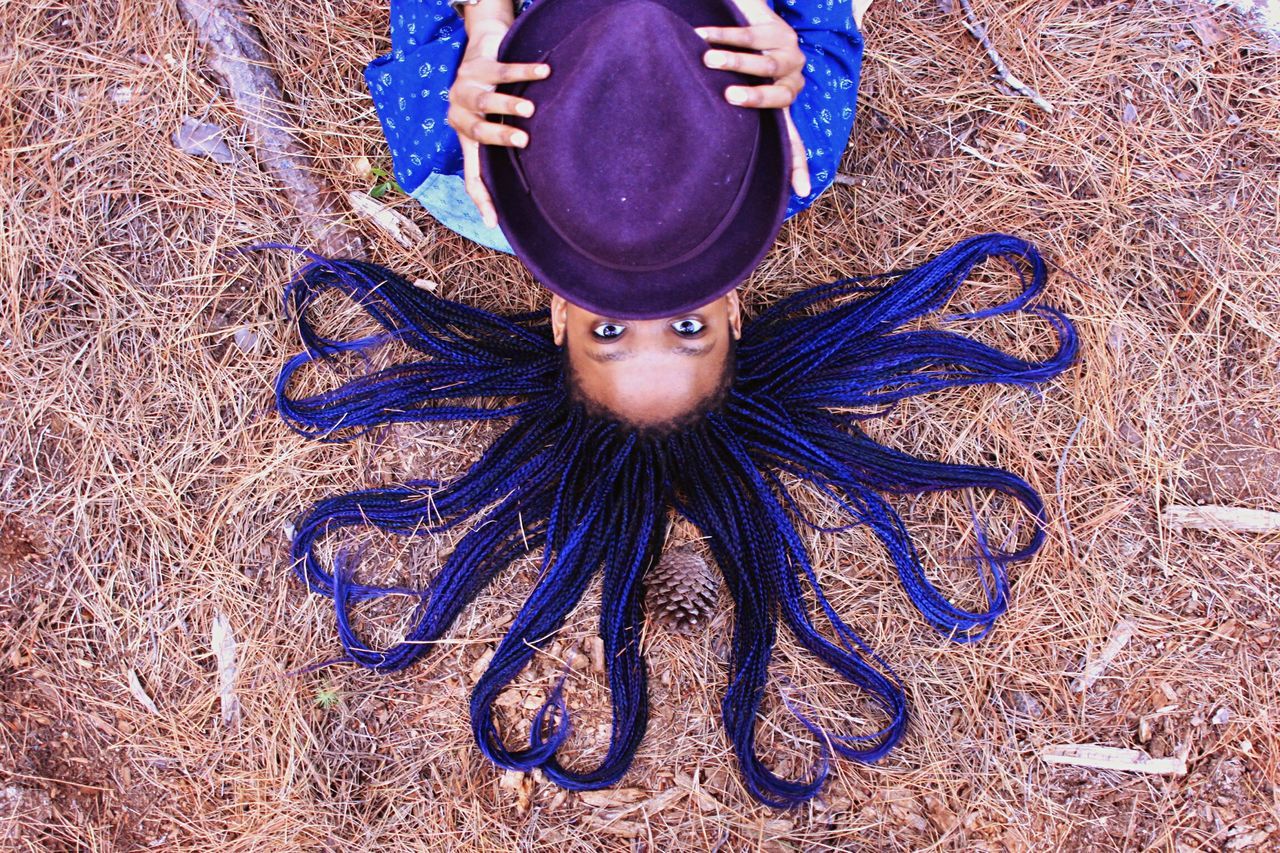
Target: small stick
(240, 59)
(1112, 758)
(1221, 519)
(1057, 482)
(979, 31)
(1121, 634)
(400, 227)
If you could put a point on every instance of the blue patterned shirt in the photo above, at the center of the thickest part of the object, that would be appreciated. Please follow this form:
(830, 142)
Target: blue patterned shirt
(410, 89)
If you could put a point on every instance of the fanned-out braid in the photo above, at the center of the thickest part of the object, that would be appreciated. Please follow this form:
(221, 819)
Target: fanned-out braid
(594, 494)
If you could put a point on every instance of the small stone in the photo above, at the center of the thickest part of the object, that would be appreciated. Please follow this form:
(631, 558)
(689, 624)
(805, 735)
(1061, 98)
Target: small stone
(1222, 717)
(1027, 705)
(246, 339)
(1129, 114)
(426, 284)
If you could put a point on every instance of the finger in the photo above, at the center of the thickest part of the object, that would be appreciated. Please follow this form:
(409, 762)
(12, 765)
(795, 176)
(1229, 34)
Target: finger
(759, 37)
(772, 97)
(492, 133)
(495, 103)
(800, 182)
(475, 186)
(520, 72)
(771, 65)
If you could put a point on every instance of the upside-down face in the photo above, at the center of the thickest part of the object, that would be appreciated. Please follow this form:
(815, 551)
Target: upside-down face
(649, 372)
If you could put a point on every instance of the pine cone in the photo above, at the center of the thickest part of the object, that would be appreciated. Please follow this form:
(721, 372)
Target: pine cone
(681, 589)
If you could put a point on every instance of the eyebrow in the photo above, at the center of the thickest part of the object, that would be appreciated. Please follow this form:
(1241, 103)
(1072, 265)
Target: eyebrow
(622, 355)
(610, 355)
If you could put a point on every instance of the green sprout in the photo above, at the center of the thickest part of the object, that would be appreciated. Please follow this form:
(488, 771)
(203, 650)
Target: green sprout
(327, 697)
(386, 182)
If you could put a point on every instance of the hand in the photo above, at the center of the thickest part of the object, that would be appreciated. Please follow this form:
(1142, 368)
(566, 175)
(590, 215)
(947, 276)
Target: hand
(472, 97)
(777, 57)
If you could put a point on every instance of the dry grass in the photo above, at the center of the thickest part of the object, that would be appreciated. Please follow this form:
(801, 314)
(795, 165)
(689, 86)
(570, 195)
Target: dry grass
(144, 481)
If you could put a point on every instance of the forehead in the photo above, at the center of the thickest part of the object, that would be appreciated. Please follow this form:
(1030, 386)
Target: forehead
(648, 381)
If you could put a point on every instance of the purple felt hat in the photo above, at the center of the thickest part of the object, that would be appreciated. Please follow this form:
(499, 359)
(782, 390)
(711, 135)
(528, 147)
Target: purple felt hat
(642, 192)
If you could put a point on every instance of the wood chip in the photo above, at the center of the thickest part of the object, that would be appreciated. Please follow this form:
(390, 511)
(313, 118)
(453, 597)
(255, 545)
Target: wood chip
(611, 797)
(398, 226)
(1245, 840)
(1113, 758)
(1221, 519)
(140, 693)
(202, 139)
(621, 828)
(224, 650)
(1121, 634)
(651, 806)
(595, 648)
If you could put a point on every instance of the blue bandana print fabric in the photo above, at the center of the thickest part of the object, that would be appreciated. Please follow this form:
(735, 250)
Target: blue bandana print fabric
(410, 89)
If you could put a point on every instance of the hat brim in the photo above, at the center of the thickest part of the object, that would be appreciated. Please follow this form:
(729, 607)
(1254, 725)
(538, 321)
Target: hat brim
(627, 294)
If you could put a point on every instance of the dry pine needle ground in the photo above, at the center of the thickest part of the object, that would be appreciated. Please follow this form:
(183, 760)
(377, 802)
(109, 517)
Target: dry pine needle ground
(145, 483)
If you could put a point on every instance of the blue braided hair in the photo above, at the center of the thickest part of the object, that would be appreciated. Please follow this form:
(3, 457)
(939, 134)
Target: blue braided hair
(594, 495)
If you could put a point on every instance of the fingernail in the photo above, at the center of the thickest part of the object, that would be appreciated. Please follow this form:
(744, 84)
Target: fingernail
(736, 95)
(520, 139)
(544, 71)
(714, 59)
(703, 32)
(525, 109)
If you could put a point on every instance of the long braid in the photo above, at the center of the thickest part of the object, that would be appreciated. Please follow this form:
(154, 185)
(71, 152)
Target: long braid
(593, 495)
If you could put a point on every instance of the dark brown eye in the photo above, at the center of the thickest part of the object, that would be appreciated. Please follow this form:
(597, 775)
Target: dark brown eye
(608, 331)
(688, 327)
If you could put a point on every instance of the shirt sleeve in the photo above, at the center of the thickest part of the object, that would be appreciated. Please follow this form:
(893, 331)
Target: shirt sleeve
(824, 110)
(410, 89)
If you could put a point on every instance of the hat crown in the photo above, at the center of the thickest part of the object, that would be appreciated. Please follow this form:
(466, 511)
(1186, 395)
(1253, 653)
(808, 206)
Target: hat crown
(665, 169)
(642, 193)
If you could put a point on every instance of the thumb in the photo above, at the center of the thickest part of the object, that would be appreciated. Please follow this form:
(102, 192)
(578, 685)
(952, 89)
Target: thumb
(800, 182)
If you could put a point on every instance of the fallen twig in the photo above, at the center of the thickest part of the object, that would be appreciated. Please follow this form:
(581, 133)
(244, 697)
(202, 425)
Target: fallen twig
(979, 31)
(400, 227)
(239, 57)
(1121, 634)
(224, 650)
(1221, 519)
(1057, 482)
(140, 693)
(1112, 758)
